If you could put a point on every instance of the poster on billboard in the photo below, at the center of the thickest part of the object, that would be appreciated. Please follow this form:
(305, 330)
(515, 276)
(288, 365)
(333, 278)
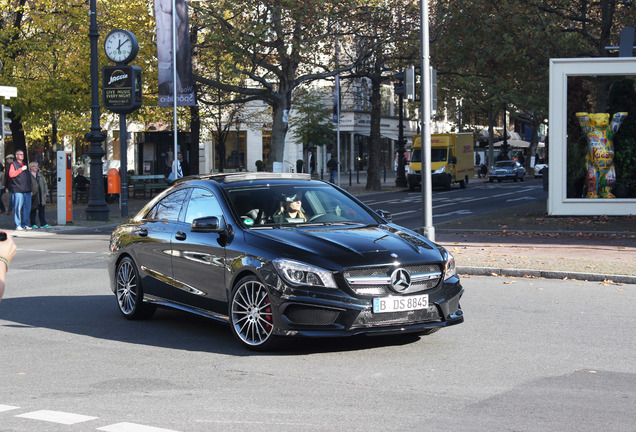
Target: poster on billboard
(184, 82)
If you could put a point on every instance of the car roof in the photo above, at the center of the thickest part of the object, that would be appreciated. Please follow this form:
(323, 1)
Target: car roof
(235, 177)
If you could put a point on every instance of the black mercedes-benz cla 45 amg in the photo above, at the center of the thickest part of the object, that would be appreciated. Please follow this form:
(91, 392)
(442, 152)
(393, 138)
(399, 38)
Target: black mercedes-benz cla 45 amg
(277, 255)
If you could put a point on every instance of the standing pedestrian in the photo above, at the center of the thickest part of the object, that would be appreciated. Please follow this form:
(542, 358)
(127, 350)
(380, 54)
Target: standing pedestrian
(177, 167)
(39, 192)
(20, 181)
(7, 183)
(3, 186)
(333, 167)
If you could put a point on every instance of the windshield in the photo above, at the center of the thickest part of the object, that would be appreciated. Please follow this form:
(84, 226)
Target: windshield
(505, 164)
(437, 155)
(293, 204)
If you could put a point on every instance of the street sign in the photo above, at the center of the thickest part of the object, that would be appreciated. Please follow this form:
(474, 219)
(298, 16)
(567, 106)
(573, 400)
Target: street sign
(121, 86)
(8, 92)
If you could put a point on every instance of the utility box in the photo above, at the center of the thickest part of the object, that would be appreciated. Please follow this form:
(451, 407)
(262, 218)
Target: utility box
(64, 188)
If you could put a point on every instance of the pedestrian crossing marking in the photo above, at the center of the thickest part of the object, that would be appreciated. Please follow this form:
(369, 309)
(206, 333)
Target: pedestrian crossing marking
(57, 417)
(132, 427)
(7, 408)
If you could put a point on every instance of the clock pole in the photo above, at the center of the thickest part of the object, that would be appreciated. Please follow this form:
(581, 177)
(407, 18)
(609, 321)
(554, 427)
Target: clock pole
(97, 208)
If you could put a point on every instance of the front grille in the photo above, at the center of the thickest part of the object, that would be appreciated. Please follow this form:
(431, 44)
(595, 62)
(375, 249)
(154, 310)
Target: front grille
(307, 315)
(376, 281)
(367, 318)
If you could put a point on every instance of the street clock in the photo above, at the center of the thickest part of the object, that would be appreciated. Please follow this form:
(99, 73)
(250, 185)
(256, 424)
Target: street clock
(121, 46)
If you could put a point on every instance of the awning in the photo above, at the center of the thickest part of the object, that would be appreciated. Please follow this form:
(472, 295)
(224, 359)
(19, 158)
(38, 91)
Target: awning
(514, 143)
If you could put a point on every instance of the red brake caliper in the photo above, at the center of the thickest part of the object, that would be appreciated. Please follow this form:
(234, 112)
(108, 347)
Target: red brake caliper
(268, 310)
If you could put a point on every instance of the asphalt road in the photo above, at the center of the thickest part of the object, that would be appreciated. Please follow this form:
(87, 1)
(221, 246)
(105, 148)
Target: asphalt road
(533, 355)
(477, 198)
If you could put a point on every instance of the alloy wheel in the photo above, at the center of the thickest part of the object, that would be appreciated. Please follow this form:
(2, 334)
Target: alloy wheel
(251, 313)
(126, 287)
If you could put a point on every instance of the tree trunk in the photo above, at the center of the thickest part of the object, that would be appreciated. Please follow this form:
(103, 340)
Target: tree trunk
(375, 144)
(279, 131)
(17, 132)
(195, 132)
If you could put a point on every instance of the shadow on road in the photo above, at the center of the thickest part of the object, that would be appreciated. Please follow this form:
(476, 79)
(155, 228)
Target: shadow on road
(97, 316)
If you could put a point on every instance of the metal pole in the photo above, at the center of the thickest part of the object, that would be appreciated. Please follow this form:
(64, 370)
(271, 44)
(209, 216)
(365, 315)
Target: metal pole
(123, 150)
(427, 190)
(97, 209)
(174, 79)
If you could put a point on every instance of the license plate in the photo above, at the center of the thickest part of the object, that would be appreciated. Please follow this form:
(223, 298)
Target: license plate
(398, 304)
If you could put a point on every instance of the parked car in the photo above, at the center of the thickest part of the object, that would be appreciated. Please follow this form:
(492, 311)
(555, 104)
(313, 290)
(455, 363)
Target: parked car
(280, 255)
(507, 170)
(538, 169)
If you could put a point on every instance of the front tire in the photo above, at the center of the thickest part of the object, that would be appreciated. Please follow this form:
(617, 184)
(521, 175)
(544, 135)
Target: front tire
(251, 316)
(129, 292)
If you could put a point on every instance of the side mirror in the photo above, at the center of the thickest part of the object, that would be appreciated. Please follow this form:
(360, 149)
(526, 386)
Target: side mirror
(385, 214)
(453, 159)
(210, 224)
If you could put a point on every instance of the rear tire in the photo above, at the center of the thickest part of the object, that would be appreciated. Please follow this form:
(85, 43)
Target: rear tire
(129, 292)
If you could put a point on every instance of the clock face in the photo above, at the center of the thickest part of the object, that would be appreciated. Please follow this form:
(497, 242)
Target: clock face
(121, 46)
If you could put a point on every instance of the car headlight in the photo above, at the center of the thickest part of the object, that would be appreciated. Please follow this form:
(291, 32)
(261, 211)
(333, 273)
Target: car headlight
(298, 273)
(449, 266)
(410, 170)
(440, 170)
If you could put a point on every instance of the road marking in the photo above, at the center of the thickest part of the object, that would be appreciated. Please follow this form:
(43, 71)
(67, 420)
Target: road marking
(520, 199)
(7, 408)
(57, 417)
(404, 212)
(458, 212)
(132, 427)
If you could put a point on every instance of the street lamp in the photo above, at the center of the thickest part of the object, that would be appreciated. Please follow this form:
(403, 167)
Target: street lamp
(97, 208)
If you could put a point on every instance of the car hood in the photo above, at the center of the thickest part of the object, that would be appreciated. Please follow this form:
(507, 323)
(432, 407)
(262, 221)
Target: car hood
(346, 246)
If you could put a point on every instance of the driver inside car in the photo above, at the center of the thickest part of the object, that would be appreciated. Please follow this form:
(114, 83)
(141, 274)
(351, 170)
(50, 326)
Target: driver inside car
(290, 210)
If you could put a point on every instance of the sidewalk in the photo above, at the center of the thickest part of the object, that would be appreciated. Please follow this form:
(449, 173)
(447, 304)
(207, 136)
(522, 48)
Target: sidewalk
(518, 242)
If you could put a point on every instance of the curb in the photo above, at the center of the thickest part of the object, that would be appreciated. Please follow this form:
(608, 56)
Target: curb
(546, 274)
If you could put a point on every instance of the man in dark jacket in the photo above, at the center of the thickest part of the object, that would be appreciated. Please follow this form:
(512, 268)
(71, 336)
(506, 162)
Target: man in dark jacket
(20, 181)
(333, 167)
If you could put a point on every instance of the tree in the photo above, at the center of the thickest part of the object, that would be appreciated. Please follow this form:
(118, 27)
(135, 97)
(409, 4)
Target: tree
(45, 47)
(312, 123)
(275, 46)
(387, 28)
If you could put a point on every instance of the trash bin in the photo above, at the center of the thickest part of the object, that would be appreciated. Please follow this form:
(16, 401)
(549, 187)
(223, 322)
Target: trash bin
(113, 181)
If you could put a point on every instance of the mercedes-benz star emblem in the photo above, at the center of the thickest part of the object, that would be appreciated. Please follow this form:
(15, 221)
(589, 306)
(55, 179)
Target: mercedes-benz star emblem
(400, 280)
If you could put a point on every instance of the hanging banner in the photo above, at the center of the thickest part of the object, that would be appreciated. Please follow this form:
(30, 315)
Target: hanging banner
(184, 81)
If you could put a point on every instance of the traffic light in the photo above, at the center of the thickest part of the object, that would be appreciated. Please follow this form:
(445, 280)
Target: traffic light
(407, 81)
(6, 121)
(398, 89)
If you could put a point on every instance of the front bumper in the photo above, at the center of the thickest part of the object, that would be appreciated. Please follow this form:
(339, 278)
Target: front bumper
(323, 314)
(503, 176)
(437, 180)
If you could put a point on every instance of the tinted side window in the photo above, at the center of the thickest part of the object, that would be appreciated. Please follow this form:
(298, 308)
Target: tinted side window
(202, 203)
(169, 207)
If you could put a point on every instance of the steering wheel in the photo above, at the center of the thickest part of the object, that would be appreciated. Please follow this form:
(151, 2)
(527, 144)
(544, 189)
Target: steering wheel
(316, 216)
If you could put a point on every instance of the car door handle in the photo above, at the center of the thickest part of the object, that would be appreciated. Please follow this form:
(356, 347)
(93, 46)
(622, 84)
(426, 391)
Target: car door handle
(142, 232)
(180, 235)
